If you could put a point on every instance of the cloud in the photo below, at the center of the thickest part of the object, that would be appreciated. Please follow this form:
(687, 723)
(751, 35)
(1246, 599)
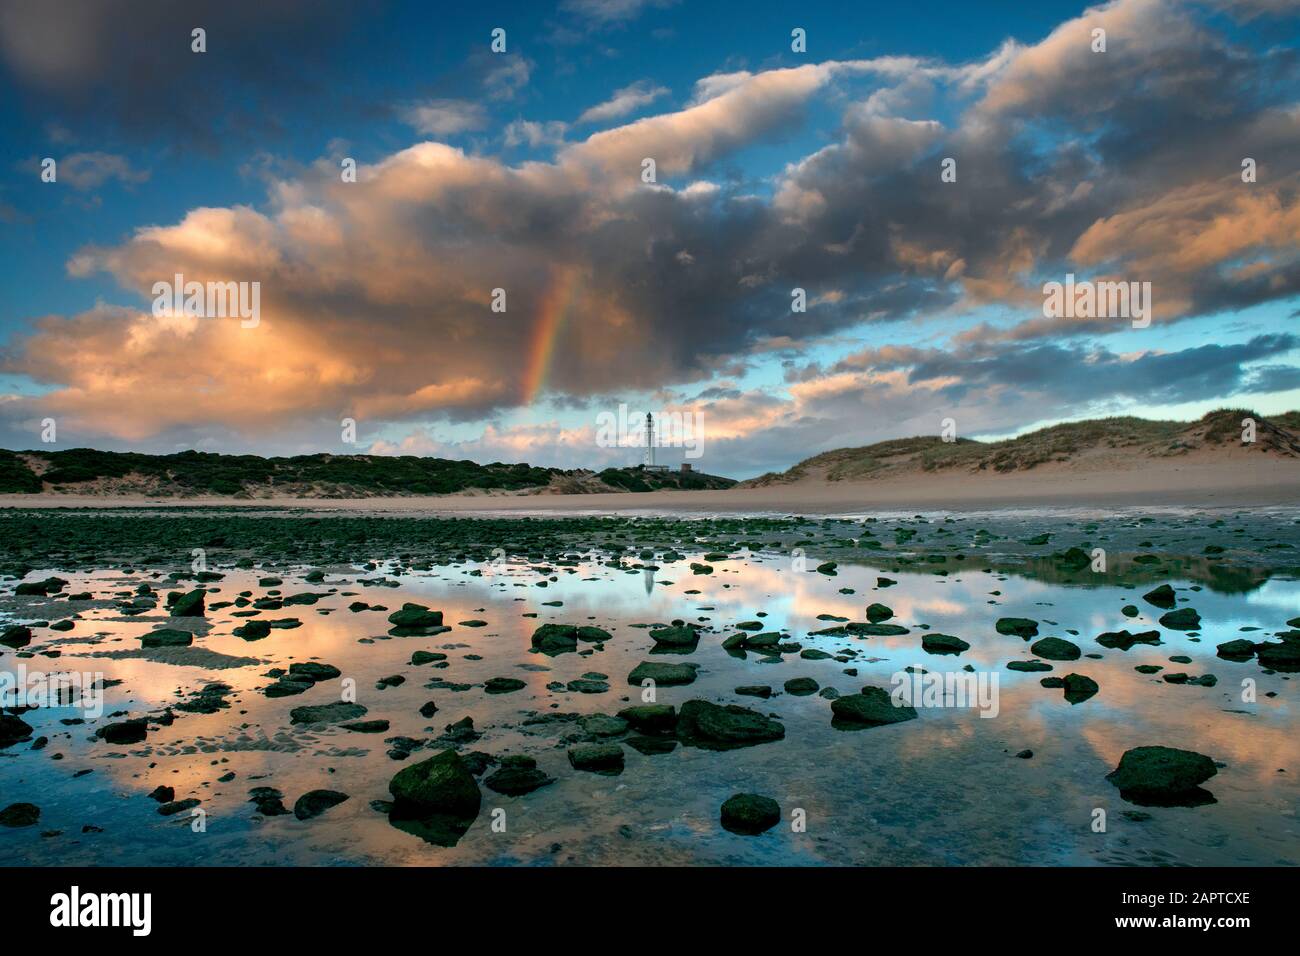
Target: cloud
(376, 295)
(127, 66)
(444, 117)
(85, 171)
(627, 100)
(604, 13)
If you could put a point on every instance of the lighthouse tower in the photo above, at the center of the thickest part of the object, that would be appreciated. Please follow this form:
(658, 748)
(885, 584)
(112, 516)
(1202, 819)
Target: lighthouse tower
(649, 440)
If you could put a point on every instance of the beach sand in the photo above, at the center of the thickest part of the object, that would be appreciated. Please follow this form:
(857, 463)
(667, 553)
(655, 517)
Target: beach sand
(1229, 481)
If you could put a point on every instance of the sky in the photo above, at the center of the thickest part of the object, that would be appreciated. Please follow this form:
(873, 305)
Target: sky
(504, 275)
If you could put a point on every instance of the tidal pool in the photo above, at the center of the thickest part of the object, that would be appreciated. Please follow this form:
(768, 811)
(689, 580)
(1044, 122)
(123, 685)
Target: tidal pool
(944, 789)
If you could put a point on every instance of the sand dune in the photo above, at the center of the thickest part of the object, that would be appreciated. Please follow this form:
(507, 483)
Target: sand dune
(1224, 480)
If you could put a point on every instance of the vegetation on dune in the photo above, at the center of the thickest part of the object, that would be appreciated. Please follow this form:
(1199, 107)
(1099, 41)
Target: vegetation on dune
(1058, 443)
(204, 473)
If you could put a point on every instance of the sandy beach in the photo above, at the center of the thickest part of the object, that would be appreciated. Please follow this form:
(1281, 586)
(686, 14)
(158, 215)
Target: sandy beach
(1228, 482)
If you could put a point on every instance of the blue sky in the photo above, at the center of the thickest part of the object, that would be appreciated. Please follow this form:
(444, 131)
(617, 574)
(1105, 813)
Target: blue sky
(777, 169)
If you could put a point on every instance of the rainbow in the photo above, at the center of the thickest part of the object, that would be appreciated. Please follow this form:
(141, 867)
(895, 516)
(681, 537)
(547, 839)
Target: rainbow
(556, 301)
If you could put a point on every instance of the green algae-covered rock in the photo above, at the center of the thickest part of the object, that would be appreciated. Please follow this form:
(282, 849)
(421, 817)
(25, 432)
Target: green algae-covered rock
(415, 616)
(943, 644)
(1019, 626)
(1161, 774)
(675, 636)
(441, 785)
(664, 675)
(1162, 596)
(712, 726)
(651, 718)
(327, 713)
(189, 604)
(597, 758)
(1123, 640)
(1056, 649)
(315, 802)
(750, 814)
(555, 638)
(870, 708)
(167, 637)
(879, 612)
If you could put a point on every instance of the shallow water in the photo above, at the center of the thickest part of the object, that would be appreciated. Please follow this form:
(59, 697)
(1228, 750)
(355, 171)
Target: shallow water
(945, 789)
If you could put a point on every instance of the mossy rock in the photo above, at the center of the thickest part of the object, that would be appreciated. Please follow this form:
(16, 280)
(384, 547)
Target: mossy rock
(1019, 626)
(873, 707)
(943, 644)
(1163, 776)
(1056, 649)
(750, 814)
(439, 786)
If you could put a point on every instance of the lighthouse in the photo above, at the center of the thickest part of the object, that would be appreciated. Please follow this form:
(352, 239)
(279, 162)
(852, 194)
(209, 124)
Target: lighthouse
(649, 441)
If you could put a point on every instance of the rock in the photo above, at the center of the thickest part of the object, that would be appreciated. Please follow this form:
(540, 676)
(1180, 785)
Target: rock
(1238, 650)
(675, 636)
(1163, 776)
(651, 718)
(518, 775)
(16, 636)
(1029, 666)
(313, 671)
(555, 638)
(288, 688)
(597, 758)
(178, 806)
(413, 619)
(1284, 656)
(253, 630)
(441, 786)
(1019, 626)
(872, 707)
(593, 635)
(124, 732)
(167, 637)
(315, 802)
(584, 685)
(377, 726)
(713, 727)
(20, 815)
(1025, 755)
(943, 644)
(163, 794)
(801, 686)
(755, 690)
(503, 685)
(879, 612)
(1162, 596)
(1123, 640)
(827, 567)
(602, 725)
(1183, 619)
(663, 675)
(750, 814)
(334, 713)
(1056, 649)
(268, 800)
(1077, 687)
(428, 709)
(427, 657)
(189, 604)
(13, 729)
